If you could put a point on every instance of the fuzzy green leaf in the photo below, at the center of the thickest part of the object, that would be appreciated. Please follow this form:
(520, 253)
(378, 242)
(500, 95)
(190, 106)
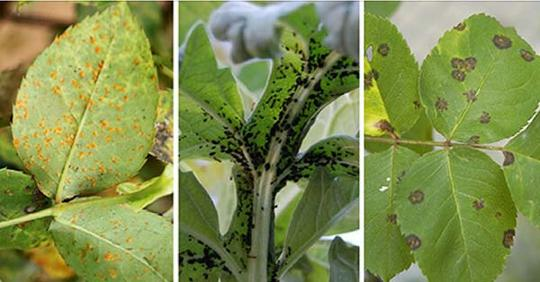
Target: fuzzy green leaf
(326, 200)
(394, 69)
(522, 167)
(343, 259)
(109, 243)
(479, 83)
(211, 112)
(386, 250)
(456, 214)
(304, 79)
(84, 116)
(18, 197)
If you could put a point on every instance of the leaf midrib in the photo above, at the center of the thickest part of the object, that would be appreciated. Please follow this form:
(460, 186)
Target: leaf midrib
(97, 236)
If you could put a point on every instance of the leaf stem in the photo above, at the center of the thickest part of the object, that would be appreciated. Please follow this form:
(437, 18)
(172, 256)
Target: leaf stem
(396, 141)
(26, 218)
(166, 72)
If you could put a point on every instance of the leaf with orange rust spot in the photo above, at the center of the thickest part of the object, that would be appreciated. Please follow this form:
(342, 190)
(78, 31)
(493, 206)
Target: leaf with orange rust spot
(84, 115)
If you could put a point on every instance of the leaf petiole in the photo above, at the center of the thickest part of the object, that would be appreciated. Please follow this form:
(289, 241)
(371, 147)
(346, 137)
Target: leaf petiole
(433, 143)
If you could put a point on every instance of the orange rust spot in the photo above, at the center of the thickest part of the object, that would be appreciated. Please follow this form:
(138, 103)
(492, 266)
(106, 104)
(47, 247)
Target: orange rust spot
(16, 143)
(109, 256)
(48, 141)
(82, 74)
(95, 133)
(75, 83)
(58, 130)
(97, 49)
(82, 155)
(103, 123)
(108, 139)
(126, 98)
(91, 146)
(92, 40)
(129, 240)
(119, 87)
(113, 273)
(53, 74)
(114, 160)
(101, 168)
(56, 90)
(35, 135)
(37, 83)
(136, 61)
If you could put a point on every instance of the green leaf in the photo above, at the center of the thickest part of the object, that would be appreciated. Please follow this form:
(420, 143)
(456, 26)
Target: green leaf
(18, 197)
(394, 69)
(381, 8)
(521, 167)
(191, 12)
(374, 110)
(199, 221)
(325, 201)
(304, 79)
(343, 260)
(84, 116)
(8, 154)
(9, 83)
(307, 269)
(339, 155)
(115, 242)
(479, 83)
(149, 191)
(350, 222)
(211, 112)
(457, 215)
(386, 250)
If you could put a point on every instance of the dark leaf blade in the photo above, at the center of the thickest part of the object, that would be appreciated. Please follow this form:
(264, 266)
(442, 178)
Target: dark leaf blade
(115, 242)
(18, 197)
(307, 77)
(387, 253)
(198, 262)
(329, 198)
(211, 111)
(395, 71)
(343, 259)
(469, 83)
(521, 167)
(456, 214)
(9, 83)
(84, 116)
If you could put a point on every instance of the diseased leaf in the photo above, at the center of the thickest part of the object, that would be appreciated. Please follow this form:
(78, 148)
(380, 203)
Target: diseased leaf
(198, 262)
(325, 201)
(18, 197)
(456, 214)
(115, 242)
(163, 142)
(339, 155)
(84, 116)
(479, 83)
(394, 69)
(343, 260)
(381, 8)
(9, 83)
(304, 79)
(522, 167)
(211, 112)
(374, 111)
(386, 251)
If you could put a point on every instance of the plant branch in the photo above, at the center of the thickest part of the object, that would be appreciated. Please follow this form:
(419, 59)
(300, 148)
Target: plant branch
(396, 141)
(166, 72)
(29, 217)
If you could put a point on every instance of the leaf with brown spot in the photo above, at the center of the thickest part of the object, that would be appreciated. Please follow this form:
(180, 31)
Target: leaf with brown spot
(54, 122)
(456, 237)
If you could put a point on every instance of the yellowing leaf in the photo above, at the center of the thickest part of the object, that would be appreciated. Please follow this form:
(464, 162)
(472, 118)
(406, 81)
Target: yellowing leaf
(374, 111)
(84, 115)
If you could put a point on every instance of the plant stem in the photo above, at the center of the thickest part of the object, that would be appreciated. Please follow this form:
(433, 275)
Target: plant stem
(167, 72)
(26, 218)
(433, 143)
(260, 233)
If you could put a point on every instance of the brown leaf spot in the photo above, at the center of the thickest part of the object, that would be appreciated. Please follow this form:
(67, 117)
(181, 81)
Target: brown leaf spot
(56, 90)
(441, 104)
(478, 204)
(460, 26)
(413, 241)
(384, 125)
(470, 63)
(109, 256)
(508, 158)
(485, 118)
(457, 63)
(502, 42)
(475, 139)
(383, 49)
(392, 218)
(416, 197)
(526, 55)
(458, 75)
(417, 104)
(508, 238)
(471, 95)
(53, 74)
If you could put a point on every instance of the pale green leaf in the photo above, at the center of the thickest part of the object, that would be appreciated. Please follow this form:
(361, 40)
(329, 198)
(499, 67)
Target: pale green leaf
(394, 69)
(211, 111)
(326, 200)
(343, 259)
(456, 214)
(84, 116)
(386, 252)
(522, 167)
(479, 83)
(115, 242)
(18, 197)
